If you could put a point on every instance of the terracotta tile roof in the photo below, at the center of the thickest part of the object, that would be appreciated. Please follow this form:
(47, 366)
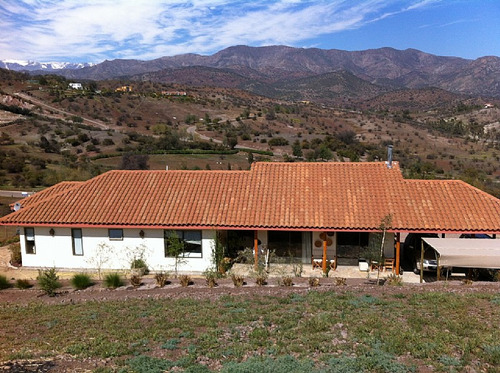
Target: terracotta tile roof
(326, 196)
(47, 193)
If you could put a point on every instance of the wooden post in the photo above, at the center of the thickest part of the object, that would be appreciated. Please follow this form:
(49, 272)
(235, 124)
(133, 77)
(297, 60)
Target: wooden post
(438, 270)
(422, 261)
(256, 249)
(398, 252)
(324, 254)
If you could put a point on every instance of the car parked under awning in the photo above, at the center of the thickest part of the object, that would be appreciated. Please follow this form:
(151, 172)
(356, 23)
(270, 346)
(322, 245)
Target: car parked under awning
(468, 253)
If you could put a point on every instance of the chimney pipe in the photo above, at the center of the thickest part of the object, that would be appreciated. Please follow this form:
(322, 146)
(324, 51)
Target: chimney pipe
(389, 156)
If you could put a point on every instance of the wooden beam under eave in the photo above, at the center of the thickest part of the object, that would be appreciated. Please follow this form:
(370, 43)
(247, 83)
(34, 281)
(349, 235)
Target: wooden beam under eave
(398, 252)
(256, 249)
(323, 264)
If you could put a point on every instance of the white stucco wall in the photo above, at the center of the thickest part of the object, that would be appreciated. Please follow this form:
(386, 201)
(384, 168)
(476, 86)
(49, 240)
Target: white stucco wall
(57, 251)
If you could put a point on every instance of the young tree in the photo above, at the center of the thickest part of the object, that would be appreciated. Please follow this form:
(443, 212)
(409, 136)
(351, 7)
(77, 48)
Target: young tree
(175, 249)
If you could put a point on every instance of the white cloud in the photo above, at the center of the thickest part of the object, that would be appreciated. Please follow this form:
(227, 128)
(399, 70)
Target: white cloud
(105, 29)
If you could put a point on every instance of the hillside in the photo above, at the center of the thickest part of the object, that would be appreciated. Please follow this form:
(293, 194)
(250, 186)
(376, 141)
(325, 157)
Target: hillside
(50, 132)
(386, 67)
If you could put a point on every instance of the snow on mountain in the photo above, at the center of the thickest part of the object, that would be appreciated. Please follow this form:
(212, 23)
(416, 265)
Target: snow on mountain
(20, 65)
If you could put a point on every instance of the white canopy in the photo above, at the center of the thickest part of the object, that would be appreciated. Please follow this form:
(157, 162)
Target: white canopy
(466, 252)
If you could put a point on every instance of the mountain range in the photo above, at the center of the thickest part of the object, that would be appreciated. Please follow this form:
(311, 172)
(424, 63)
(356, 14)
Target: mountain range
(302, 73)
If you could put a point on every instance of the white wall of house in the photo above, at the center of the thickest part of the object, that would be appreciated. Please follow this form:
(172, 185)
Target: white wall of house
(57, 250)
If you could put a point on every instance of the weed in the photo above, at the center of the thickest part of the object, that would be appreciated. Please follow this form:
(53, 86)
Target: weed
(136, 280)
(185, 280)
(314, 281)
(4, 283)
(238, 281)
(161, 278)
(113, 280)
(394, 280)
(48, 280)
(171, 344)
(23, 284)
(81, 281)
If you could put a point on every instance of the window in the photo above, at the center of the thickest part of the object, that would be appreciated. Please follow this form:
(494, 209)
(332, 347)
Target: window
(115, 234)
(76, 235)
(286, 244)
(190, 240)
(29, 239)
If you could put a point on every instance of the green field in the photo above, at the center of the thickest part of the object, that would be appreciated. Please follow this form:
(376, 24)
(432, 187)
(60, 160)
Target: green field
(318, 331)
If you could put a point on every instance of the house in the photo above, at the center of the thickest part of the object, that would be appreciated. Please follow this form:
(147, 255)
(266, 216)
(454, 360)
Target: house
(125, 88)
(75, 85)
(301, 210)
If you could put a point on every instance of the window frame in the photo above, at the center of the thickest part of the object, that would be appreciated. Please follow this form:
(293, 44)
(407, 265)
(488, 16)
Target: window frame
(115, 238)
(74, 241)
(181, 234)
(29, 243)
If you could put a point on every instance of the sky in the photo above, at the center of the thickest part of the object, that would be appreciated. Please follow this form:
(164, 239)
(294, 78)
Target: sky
(98, 30)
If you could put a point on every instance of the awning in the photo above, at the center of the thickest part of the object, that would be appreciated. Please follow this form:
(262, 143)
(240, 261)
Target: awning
(466, 252)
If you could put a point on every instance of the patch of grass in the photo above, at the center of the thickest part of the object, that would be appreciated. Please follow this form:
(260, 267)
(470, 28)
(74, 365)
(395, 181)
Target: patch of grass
(81, 281)
(4, 283)
(23, 284)
(347, 332)
(113, 280)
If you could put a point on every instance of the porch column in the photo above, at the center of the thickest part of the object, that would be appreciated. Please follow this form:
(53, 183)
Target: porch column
(256, 249)
(323, 264)
(398, 252)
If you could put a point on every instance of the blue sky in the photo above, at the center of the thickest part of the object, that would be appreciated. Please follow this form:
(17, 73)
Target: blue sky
(95, 30)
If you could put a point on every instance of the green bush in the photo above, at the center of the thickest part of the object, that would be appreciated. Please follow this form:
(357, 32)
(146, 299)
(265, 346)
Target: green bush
(23, 284)
(113, 280)
(4, 283)
(48, 280)
(139, 264)
(81, 281)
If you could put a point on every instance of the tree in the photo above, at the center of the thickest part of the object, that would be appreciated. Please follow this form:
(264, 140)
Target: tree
(101, 257)
(175, 249)
(297, 149)
(134, 162)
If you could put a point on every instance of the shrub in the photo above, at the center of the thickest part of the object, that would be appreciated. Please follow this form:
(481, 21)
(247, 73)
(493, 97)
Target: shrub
(287, 281)
(211, 278)
(4, 283)
(139, 264)
(340, 281)
(185, 280)
(113, 280)
(313, 281)
(81, 281)
(23, 284)
(394, 280)
(48, 280)
(15, 254)
(261, 279)
(238, 281)
(161, 278)
(136, 280)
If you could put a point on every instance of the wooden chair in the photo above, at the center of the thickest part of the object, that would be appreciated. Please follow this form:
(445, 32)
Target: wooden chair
(389, 264)
(374, 265)
(316, 263)
(333, 264)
